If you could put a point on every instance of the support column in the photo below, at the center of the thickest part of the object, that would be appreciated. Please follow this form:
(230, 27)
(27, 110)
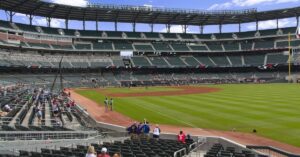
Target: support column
(240, 28)
(83, 24)
(11, 16)
(67, 23)
(152, 27)
(168, 28)
(256, 25)
(116, 25)
(97, 27)
(30, 19)
(220, 28)
(133, 26)
(201, 29)
(184, 28)
(48, 21)
(277, 23)
(297, 20)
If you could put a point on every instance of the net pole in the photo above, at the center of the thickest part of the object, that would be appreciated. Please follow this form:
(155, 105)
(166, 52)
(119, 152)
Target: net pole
(290, 58)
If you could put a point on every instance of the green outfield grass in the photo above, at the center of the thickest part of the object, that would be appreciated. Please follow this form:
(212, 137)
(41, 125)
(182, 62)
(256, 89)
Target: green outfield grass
(272, 109)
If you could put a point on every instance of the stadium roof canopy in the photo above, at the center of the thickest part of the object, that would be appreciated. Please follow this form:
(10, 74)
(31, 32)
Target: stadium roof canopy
(143, 14)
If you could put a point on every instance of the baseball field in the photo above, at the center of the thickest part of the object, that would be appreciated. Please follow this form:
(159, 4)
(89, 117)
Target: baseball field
(272, 109)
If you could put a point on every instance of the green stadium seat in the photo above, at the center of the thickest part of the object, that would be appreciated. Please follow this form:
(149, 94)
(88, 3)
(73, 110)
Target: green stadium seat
(204, 36)
(247, 46)
(231, 46)
(264, 44)
(285, 44)
(254, 60)
(118, 62)
(269, 32)
(49, 30)
(143, 47)
(187, 36)
(5, 24)
(80, 64)
(236, 61)
(205, 60)
(123, 46)
(161, 47)
(158, 61)
(169, 35)
(175, 61)
(112, 34)
(190, 60)
(224, 36)
(198, 47)
(90, 33)
(27, 28)
(102, 46)
(152, 35)
(140, 61)
(69, 32)
(214, 46)
(220, 60)
(62, 47)
(133, 34)
(277, 58)
(288, 30)
(82, 46)
(249, 34)
(39, 45)
(180, 47)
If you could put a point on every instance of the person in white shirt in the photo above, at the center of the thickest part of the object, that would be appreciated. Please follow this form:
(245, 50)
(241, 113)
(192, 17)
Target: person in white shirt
(91, 152)
(7, 108)
(156, 132)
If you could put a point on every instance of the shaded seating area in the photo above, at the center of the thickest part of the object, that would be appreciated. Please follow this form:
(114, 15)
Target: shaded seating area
(254, 60)
(140, 61)
(277, 58)
(217, 150)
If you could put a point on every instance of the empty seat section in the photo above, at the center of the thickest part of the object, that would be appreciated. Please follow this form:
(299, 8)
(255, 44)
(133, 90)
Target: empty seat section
(123, 46)
(232, 46)
(4, 63)
(204, 36)
(187, 36)
(175, 61)
(39, 45)
(69, 32)
(180, 47)
(80, 64)
(5, 24)
(27, 28)
(90, 33)
(285, 44)
(215, 47)
(288, 30)
(224, 36)
(49, 30)
(102, 46)
(269, 32)
(100, 64)
(83, 46)
(114, 34)
(246, 34)
(161, 47)
(205, 60)
(140, 61)
(118, 62)
(190, 60)
(254, 60)
(277, 58)
(247, 46)
(63, 47)
(220, 60)
(143, 47)
(169, 35)
(152, 35)
(236, 60)
(264, 44)
(133, 34)
(198, 47)
(158, 61)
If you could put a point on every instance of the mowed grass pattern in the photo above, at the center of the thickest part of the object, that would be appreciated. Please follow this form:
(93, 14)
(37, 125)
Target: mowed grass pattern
(272, 109)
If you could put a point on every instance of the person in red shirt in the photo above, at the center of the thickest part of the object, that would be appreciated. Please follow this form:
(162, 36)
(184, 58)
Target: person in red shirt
(181, 137)
(103, 153)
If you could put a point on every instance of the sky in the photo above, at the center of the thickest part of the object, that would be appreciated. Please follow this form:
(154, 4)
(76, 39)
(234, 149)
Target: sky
(260, 5)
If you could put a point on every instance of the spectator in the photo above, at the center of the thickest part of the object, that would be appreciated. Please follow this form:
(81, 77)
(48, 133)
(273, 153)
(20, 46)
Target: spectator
(146, 130)
(103, 153)
(39, 116)
(111, 102)
(181, 137)
(106, 104)
(117, 155)
(132, 130)
(7, 108)
(140, 128)
(156, 132)
(91, 152)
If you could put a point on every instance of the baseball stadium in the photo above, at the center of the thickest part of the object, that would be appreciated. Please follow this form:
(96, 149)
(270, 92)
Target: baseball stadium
(128, 79)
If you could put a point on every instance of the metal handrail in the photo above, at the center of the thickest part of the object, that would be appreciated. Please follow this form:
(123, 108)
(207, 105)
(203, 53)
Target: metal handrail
(180, 150)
